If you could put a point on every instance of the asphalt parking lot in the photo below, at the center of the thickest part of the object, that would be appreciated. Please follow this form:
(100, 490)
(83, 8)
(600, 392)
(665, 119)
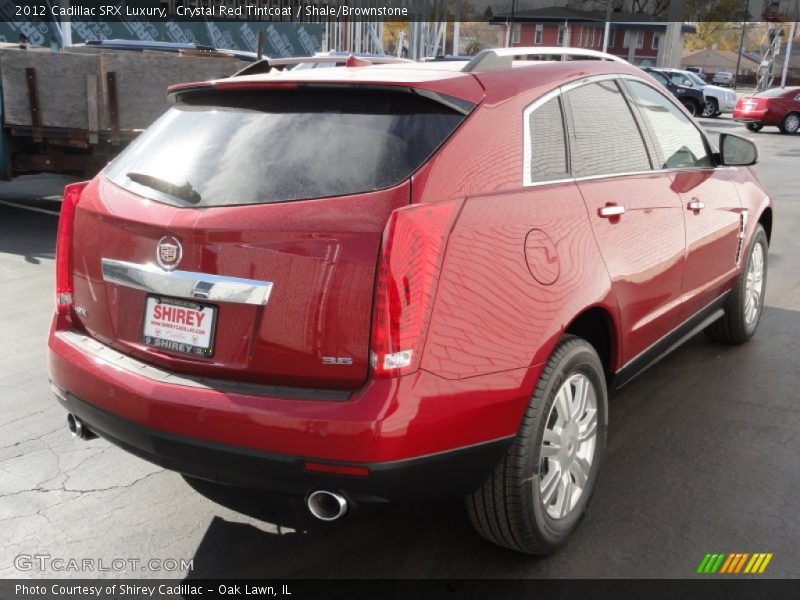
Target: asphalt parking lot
(703, 455)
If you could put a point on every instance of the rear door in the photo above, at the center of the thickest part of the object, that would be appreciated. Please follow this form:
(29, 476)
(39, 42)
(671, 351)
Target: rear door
(636, 216)
(710, 202)
(238, 237)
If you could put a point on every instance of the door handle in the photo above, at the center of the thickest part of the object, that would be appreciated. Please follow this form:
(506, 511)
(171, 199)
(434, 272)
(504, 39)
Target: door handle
(611, 210)
(695, 205)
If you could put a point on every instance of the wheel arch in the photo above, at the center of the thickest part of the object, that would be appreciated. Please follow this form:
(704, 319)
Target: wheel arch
(782, 124)
(596, 325)
(765, 219)
(697, 104)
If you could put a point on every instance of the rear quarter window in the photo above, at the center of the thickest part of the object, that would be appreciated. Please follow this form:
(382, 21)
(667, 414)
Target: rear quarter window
(545, 143)
(218, 149)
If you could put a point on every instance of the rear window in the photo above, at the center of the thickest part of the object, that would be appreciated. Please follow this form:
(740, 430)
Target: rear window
(221, 149)
(775, 92)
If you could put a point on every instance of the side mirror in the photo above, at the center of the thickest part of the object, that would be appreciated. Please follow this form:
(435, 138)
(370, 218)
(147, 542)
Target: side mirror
(736, 151)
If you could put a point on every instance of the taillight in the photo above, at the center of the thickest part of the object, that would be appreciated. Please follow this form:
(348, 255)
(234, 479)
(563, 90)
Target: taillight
(408, 271)
(66, 223)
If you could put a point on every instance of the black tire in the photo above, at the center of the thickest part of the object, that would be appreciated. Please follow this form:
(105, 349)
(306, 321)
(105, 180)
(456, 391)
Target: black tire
(733, 328)
(754, 126)
(691, 106)
(790, 123)
(507, 509)
(711, 109)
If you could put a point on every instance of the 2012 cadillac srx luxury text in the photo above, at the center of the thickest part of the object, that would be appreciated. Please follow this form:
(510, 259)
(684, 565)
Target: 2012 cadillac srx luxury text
(401, 282)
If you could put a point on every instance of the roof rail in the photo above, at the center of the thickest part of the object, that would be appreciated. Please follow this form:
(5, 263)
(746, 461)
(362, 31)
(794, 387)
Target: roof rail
(267, 64)
(502, 58)
(339, 60)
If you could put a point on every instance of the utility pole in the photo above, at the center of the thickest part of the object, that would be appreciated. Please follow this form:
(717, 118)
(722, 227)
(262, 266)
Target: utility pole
(260, 45)
(509, 35)
(741, 44)
(792, 32)
(457, 28)
(673, 36)
(607, 32)
(66, 27)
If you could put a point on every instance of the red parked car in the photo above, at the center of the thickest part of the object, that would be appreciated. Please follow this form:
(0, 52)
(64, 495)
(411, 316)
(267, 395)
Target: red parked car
(779, 107)
(388, 283)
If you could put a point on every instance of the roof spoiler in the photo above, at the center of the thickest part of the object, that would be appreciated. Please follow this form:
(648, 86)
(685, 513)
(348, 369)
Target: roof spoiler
(459, 105)
(503, 58)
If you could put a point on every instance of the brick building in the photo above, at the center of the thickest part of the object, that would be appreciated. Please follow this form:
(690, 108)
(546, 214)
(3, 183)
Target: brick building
(633, 37)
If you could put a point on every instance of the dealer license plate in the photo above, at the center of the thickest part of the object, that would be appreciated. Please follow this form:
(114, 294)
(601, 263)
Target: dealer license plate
(179, 326)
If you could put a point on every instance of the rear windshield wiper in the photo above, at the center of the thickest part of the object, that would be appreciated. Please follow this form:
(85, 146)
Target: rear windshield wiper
(183, 191)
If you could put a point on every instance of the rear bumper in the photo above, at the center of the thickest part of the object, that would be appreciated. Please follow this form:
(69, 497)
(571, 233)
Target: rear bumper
(751, 116)
(438, 475)
(420, 436)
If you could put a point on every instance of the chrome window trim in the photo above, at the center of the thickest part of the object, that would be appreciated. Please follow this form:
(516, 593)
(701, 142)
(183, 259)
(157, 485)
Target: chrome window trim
(627, 174)
(587, 80)
(527, 176)
(186, 284)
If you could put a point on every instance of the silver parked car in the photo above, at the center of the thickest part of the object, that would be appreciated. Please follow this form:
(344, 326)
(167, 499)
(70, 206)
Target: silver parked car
(718, 99)
(723, 78)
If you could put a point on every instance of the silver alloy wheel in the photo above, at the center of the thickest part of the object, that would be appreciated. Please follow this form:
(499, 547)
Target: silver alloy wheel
(792, 123)
(568, 446)
(709, 110)
(755, 284)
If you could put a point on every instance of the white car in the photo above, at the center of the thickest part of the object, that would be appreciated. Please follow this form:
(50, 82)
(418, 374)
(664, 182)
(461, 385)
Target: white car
(723, 78)
(718, 99)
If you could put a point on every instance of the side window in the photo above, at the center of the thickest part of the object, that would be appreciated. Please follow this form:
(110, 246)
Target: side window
(679, 79)
(604, 137)
(659, 77)
(545, 144)
(678, 142)
(537, 38)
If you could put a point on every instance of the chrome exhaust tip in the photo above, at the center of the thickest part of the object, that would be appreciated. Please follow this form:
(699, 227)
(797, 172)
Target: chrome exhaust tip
(78, 428)
(327, 506)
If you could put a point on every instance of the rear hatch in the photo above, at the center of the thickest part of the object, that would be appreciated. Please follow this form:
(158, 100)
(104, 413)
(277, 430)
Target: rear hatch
(238, 237)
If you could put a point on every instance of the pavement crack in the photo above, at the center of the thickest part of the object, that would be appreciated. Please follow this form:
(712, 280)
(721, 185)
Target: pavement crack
(34, 439)
(28, 416)
(38, 489)
(111, 487)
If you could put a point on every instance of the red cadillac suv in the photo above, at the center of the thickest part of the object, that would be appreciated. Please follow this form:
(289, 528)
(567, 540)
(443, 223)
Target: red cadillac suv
(387, 283)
